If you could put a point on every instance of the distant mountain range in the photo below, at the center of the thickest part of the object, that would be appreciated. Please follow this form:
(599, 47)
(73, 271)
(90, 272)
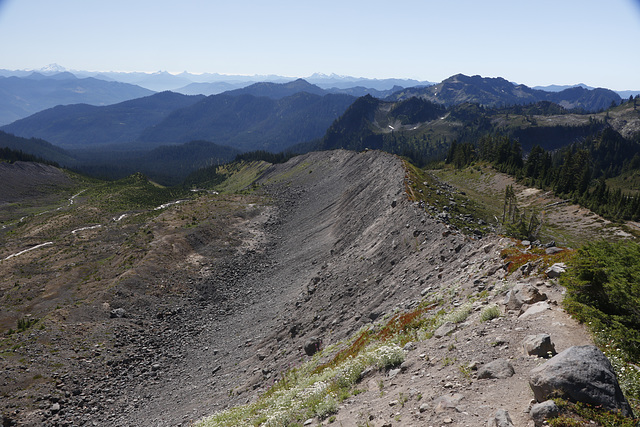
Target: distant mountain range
(82, 125)
(189, 83)
(239, 119)
(560, 88)
(23, 93)
(278, 90)
(265, 115)
(494, 92)
(22, 96)
(167, 134)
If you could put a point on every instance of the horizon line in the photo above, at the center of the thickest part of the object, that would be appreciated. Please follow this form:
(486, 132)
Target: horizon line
(62, 69)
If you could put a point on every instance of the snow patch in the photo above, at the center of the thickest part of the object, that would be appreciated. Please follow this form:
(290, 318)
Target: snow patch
(27, 250)
(86, 228)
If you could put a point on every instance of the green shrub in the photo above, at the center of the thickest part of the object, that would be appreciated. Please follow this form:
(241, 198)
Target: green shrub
(386, 356)
(564, 421)
(580, 414)
(603, 287)
(26, 323)
(603, 292)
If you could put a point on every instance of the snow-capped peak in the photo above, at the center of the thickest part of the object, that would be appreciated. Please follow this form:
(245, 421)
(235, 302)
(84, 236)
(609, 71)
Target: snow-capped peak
(52, 68)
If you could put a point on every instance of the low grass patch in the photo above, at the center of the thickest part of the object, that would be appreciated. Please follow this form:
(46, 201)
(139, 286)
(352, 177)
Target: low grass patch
(490, 312)
(240, 176)
(460, 314)
(580, 414)
(464, 212)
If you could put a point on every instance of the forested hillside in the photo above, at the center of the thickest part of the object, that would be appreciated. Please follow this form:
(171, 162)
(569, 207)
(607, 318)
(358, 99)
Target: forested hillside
(167, 164)
(82, 125)
(577, 172)
(423, 130)
(247, 122)
(35, 147)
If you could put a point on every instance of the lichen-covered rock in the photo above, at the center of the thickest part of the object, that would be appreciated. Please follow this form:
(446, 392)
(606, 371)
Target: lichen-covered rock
(543, 411)
(579, 374)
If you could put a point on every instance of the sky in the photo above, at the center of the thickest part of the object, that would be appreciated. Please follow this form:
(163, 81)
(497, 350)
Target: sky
(535, 43)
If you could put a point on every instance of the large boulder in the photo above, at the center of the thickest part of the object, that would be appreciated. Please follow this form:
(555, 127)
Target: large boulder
(579, 374)
(499, 368)
(523, 293)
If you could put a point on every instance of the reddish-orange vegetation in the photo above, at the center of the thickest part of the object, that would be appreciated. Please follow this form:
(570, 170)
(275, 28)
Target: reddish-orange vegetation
(400, 325)
(517, 256)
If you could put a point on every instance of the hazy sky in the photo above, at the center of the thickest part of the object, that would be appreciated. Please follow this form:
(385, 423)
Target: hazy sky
(595, 42)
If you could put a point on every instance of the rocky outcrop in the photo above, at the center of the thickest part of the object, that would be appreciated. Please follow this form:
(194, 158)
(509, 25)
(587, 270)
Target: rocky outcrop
(448, 402)
(556, 270)
(539, 345)
(579, 374)
(312, 345)
(521, 294)
(445, 329)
